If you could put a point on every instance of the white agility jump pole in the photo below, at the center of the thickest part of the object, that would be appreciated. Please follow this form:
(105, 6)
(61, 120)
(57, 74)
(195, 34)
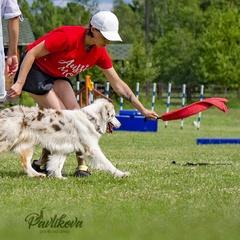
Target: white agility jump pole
(168, 101)
(137, 95)
(78, 88)
(199, 114)
(121, 103)
(91, 94)
(153, 95)
(137, 90)
(107, 90)
(183, 102)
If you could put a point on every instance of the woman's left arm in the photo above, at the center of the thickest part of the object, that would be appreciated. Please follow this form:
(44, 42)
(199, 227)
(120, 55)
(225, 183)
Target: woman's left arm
(12, 59)
(124, 91)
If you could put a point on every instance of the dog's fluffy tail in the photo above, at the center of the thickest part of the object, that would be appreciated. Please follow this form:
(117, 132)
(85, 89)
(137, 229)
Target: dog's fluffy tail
(10, 126)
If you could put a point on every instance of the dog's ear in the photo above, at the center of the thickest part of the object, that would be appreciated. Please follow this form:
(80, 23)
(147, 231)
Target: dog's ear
(102, 119)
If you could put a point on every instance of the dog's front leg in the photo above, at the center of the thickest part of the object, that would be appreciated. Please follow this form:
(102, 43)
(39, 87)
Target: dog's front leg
(99, 161)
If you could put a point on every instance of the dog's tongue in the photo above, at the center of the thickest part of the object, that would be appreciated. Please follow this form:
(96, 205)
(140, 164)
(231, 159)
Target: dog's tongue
(109, 128)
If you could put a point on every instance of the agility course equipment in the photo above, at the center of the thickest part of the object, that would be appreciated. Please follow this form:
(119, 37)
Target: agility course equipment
(183, 102)
(133, 120)
(201, 141)
(197, 123)
(153, 95)
(199, 114)
(168, 101)
(90, 92)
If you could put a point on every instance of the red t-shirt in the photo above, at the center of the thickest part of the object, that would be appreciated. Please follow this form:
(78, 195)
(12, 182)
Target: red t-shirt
(67, 56)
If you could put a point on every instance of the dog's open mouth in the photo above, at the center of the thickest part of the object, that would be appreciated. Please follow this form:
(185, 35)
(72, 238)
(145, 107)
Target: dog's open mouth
(110, 127)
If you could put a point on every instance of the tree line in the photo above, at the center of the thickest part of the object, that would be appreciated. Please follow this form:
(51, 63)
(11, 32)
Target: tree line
(177, 41)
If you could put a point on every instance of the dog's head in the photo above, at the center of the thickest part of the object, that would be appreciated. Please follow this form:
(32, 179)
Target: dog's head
(102, 114)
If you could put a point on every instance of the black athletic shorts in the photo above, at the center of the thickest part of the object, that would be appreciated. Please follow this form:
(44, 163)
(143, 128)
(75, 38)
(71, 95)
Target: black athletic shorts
(38, 82)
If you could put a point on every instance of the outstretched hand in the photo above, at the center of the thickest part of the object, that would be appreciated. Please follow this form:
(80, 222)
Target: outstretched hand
(150, 114)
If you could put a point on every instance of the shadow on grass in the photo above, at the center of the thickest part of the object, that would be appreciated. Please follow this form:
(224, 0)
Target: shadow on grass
(201, 164)
(12, 174)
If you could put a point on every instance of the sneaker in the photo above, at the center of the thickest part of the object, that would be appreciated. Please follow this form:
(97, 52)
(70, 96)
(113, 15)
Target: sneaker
(43, 169)
(3, 98)
(39, 168)
(82, 171)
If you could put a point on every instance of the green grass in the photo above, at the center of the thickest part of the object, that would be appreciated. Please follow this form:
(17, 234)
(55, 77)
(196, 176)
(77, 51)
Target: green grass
(159, 201)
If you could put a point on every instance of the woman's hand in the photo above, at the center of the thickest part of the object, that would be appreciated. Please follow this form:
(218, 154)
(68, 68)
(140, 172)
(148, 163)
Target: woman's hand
(15, 90)
(36, 52)
(149, 114)
(11, 65)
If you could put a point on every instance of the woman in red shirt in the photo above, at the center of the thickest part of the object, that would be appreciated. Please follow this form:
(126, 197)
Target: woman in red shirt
(66, 52)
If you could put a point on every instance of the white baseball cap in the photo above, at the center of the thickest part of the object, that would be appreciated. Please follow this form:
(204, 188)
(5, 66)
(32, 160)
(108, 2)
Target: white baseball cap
(107, 23)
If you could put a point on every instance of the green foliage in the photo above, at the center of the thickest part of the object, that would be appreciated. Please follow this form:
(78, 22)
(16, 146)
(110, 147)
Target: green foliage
(73, 14)
(26, 100)
(45, 16)
(219, 48)
(95, 73)
(173, 56)
(138, 67)
(189, 41)
(44, 12)
(128, 16)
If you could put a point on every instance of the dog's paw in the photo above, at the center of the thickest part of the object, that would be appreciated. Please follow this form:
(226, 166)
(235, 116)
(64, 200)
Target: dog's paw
(52, 175)
(126, 174)
(36, 175)
(120, 174)
(63, 178)
(42, 175)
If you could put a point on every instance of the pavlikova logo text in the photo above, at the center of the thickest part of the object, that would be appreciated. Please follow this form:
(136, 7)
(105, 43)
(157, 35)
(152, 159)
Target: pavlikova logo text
(55, 224)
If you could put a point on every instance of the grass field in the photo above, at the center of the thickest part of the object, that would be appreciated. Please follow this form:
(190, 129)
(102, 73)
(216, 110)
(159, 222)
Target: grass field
(159, 201)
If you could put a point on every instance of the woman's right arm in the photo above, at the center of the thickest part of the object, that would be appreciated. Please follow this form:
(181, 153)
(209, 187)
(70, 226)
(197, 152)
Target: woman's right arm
(36, 52)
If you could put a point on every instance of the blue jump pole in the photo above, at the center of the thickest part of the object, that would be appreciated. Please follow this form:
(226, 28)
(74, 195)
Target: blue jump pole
(218, 141)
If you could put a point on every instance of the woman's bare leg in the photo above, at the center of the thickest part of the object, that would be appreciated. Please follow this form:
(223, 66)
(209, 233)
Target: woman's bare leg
(60, 97)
